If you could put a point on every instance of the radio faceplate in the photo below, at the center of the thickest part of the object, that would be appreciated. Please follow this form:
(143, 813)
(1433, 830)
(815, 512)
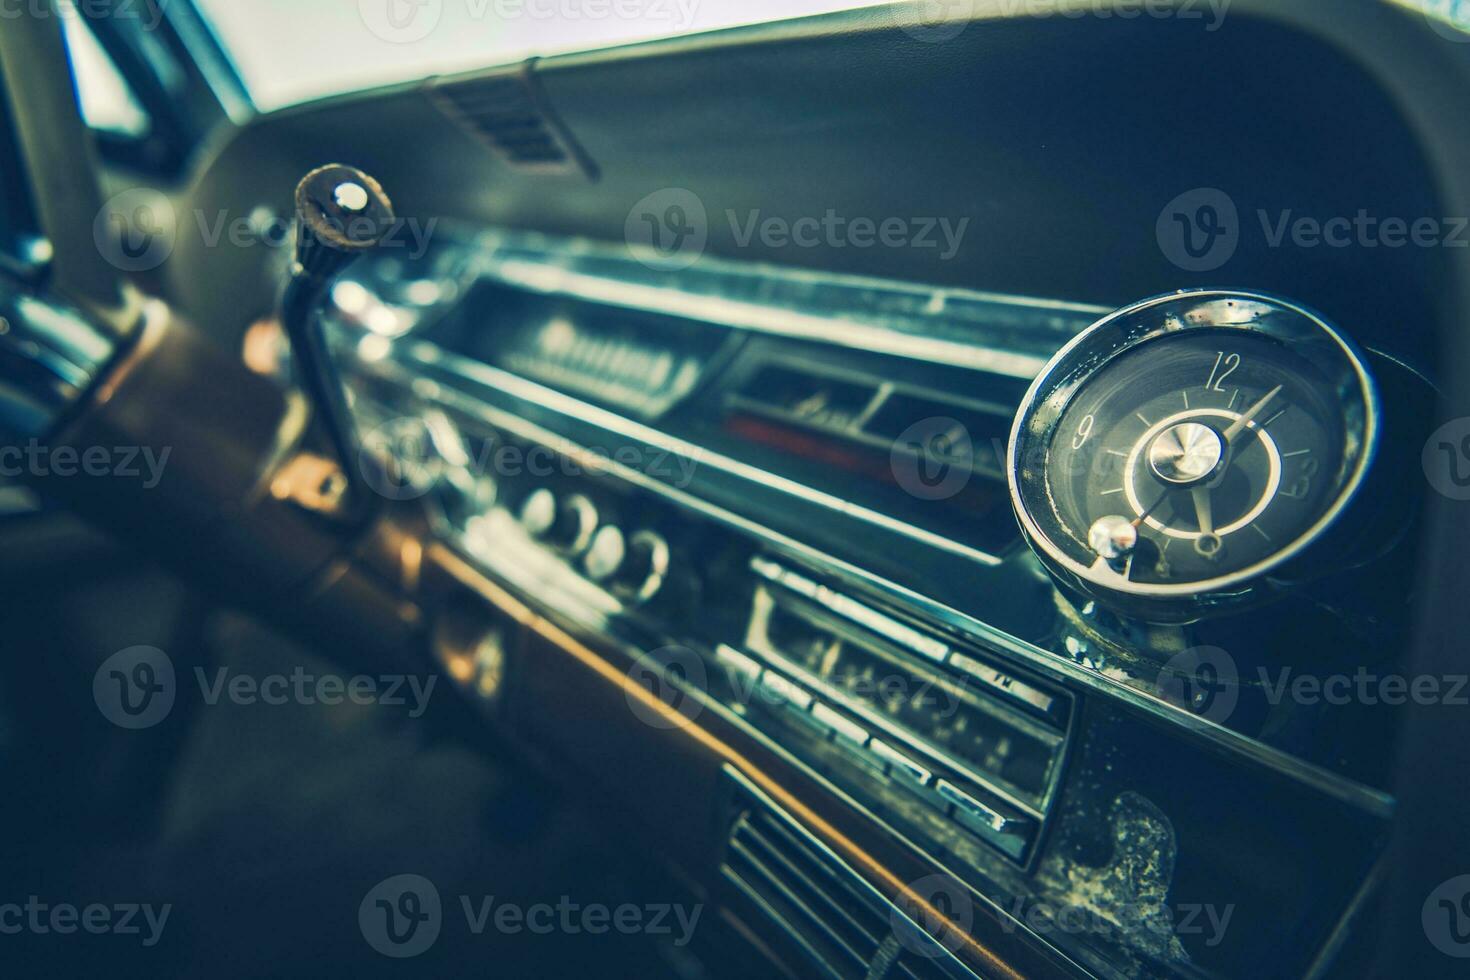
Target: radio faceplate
(965, 737)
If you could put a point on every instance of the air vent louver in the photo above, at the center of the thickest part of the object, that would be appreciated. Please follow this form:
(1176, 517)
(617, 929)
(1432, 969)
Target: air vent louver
(791, 885)
(507, 111)
(845, 929)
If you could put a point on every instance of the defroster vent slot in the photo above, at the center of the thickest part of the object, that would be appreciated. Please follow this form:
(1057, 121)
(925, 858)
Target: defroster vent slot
(506, 110)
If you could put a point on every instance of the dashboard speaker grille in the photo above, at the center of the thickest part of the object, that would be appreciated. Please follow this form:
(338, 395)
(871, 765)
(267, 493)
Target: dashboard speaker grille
(507, 111)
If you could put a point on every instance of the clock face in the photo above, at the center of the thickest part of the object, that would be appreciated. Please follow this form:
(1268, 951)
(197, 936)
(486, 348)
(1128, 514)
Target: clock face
(1190, 443)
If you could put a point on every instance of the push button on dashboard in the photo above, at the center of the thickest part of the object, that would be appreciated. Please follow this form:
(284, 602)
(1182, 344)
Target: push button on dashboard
(976, 814)
(900, 762)
(847, 731)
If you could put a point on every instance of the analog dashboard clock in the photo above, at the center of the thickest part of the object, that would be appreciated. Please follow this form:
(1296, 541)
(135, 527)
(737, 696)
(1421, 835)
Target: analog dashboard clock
(1179, 451)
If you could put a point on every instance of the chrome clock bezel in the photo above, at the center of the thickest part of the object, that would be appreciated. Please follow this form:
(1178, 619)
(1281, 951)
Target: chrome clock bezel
(1053, 390)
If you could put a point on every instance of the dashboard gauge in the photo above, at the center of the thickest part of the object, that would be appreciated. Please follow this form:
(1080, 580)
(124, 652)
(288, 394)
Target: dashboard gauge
(1177, 451)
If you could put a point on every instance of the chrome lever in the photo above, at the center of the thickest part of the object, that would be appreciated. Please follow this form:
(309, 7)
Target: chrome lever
(342, 213)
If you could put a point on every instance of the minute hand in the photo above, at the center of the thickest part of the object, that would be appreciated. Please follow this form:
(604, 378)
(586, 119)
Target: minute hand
(1239, 424)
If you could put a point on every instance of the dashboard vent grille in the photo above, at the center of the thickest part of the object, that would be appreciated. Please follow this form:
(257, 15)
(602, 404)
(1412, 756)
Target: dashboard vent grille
(507, 111)
(836, 920)
(789, 883)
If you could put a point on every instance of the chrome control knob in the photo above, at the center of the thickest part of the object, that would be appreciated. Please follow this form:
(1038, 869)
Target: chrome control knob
(606, 555)
(633, 568)
(538, 513)
(566, 524)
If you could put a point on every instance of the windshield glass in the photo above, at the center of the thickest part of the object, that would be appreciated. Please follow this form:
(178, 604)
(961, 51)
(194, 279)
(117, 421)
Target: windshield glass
(290, 51)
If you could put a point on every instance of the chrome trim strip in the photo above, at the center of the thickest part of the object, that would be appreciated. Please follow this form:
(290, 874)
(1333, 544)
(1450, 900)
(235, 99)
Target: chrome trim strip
(774, 300)
(765, 319)
(1322, 965)
(427, 355)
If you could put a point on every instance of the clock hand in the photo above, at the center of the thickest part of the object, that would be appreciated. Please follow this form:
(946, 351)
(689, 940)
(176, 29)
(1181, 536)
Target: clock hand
(1239, 424)
(1144, 516)
(1201, 495)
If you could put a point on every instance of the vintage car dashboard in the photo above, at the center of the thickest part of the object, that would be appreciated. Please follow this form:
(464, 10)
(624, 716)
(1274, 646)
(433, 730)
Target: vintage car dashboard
(787, 503)
(874, 597)
(1035, 607)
